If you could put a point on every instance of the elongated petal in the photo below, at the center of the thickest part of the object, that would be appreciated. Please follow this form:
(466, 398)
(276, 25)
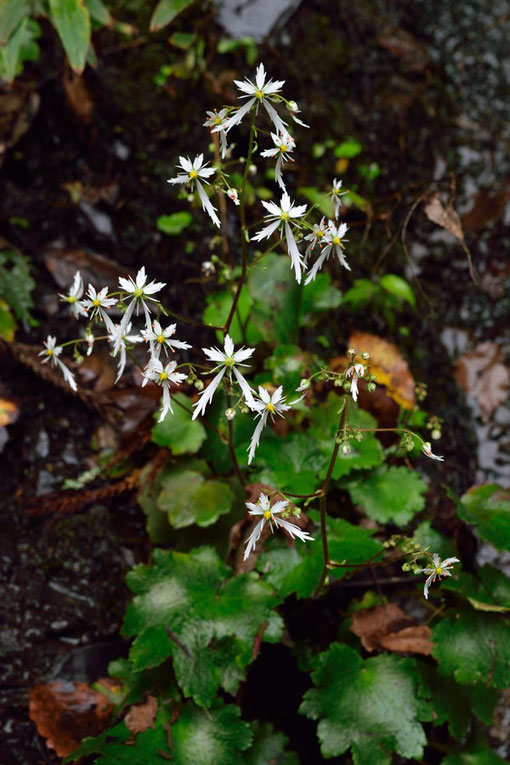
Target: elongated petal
(207, 394)
(247, 391)
(253, 538)
(237, 116)
(255, 439)
(206, 204)
(123, 326)
(279, 124)
(294, 253)
(266, 232)
(293, 530)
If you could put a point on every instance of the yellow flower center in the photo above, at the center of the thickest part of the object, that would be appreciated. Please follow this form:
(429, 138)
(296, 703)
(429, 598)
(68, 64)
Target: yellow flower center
(96, 303)
(336, 240)
(229, 361)
(49, 351)
(439, 571)
(71, 299)
(270, 407)
(259, 94)
(320, 234)
(283, 147)
(160, 338)
(285, 216)
(336, 191)
(193, 175)
(163, 376)
(138, 293)
(268, 515)
(217, 121)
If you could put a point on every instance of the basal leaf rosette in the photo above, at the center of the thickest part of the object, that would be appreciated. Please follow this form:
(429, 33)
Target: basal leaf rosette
(368, 706)
(187, 608)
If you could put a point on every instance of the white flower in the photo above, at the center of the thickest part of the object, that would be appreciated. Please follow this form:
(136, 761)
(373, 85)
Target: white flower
(118, 339)
(259, 92)
(163, 375)
(281, 217)
(159, 338)
(208, 268)
(193, 172)
(294, 109)
(74, 295)
(53, 352)
(217, 120)
(263, 508)
(356, 371)
(318, 235)
(427, 449)
(232, 193)
(98, 302)
(230, 413)
(140, 292)
(284, 145)
(333, 239)
(304, 385)
(89, 337)
(440, 568)
(226, 360)
(336, 194)
(265, 405)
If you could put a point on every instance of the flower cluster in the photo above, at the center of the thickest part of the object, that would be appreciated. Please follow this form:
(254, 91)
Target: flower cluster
(269, 514)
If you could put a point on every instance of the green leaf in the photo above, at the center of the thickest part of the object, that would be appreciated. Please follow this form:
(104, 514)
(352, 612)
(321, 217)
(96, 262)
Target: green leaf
(174, 224)
(275, 295)
(288, 364)
(318, 296)
(99, 12)
(187, 497)
(428, 538)
(218, 307)
(318, 198)
(292, 463)
(178, 431)
(474, 647)
(367, 453)
(166, 11)
(487, 508)
(215, 737)
(16, 284)
(7, 322)
(391, 494)
(116, 746)
(360, 294)
(348, 149)
(268, 747)
(71, 19)
(399, 287)
(12, 12)
(488, 591)
(367, 706)
(297, 569)
(186, 607)
(10, 53)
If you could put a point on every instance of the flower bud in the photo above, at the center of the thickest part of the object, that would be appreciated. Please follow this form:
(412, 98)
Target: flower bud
(351, 352)
(230, 413)
(365, 356)
(371, 387)
(346, 449)
(436, 434)
(199, 385)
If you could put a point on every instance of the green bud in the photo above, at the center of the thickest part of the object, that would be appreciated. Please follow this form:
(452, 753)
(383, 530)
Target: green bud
(371, 387)
(436, 434)
(346, 449)
(199, 385)
(359, 437)
(365, 356)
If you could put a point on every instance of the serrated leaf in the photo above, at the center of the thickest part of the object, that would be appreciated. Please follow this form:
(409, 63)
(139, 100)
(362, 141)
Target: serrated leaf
(473, 647)
(391, 494)
(268, 747)
(213, 737)
(397, 286)
(292, 463)
(288, 364)
(71, 19)
(487, 507)
(187, 497)
(297, 569)
(16, 284)
(428, 538)
(12, 13)
(178, 431)
(99, 12)
(166, 11)
(488, 591)
(478, 753)
(367, 706)
(317, 297)
(184, 608)
(275, 293)
(174, 224)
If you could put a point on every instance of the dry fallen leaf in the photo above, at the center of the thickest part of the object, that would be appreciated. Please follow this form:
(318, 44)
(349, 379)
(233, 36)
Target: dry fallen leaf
(78, 96)
(482, 373)
(142, 716)
(388, 364)
(65, 712)
(488, 206)
(9, 411)
(94, 268)
(444, 215)
(389, 627)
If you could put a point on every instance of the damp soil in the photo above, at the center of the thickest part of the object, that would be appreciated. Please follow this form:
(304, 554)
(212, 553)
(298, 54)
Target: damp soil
(420, 91)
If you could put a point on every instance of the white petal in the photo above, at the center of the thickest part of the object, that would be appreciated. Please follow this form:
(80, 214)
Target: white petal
(256, 437)
(266, 232)
(206, 204)
(253, 538)
(247, 392)
(207, 394)
(294, 253)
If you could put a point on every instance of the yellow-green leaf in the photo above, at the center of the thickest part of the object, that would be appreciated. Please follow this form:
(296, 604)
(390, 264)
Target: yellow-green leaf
(72, 21)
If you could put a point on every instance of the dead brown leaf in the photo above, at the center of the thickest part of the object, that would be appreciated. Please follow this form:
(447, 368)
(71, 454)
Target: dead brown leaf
(388, 364)
(97, 373)
(19, 104)
(388, 627)
(482, 373)
(488, 207)
(65, 712)
(95, 268)
(142, 716)
(444, 215)
(78, 96)
(9, 411)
